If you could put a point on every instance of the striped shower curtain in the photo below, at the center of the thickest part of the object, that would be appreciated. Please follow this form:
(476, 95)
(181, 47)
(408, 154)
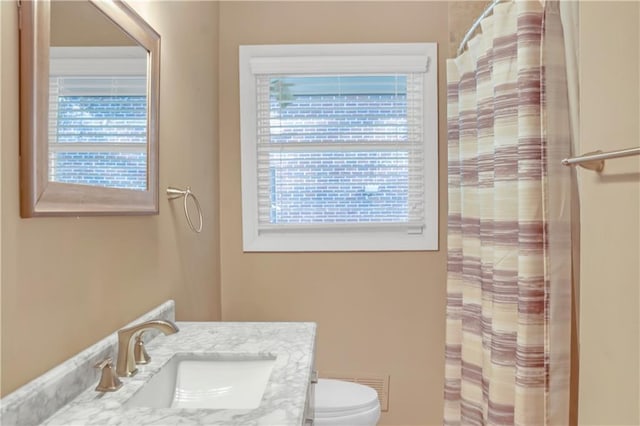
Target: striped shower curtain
(504, 330)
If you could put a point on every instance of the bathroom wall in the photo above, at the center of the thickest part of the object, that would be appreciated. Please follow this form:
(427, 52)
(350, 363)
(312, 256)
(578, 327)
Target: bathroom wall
(376, 312)
(68, 282)
(1, 244)
(462, 14)
(70, 18)
(610, 215)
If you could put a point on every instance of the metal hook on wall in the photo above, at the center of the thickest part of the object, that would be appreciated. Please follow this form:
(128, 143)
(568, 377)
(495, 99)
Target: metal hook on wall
(174, 193)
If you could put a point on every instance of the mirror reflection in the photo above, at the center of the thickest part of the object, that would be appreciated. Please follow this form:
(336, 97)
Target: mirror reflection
(97, 100)
(89, 102)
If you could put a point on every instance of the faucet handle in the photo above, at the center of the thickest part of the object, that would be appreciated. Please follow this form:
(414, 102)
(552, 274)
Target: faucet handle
(140, 354)
(109, 382)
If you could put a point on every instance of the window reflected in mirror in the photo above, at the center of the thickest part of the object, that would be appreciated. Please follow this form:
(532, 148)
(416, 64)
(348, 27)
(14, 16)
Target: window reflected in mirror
(98, 116)
(97, 100)
(89, 127)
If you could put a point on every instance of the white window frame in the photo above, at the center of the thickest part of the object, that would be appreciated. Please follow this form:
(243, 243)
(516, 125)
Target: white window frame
(341, 59)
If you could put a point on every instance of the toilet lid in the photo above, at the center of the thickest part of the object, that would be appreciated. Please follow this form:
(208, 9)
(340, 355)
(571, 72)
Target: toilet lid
(338, 398)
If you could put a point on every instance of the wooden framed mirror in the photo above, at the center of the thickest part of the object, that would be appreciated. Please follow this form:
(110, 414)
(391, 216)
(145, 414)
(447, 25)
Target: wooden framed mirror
(89, 100)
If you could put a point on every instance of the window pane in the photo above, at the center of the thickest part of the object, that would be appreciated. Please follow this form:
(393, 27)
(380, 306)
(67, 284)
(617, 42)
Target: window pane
(107, 169)
(338, 149)
(338, 109)
(102, 119)
(339, 187)
(100, 141)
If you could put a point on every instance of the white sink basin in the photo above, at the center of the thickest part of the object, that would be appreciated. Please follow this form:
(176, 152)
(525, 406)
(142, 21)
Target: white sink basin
(207, 381)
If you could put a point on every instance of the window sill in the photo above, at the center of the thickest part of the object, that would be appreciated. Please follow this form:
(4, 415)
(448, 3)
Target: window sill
(341, 242)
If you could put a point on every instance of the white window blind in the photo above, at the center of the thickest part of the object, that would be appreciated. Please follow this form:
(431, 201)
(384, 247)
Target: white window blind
(99, 110)
(339, 147)
(336, 151)
(98, 118)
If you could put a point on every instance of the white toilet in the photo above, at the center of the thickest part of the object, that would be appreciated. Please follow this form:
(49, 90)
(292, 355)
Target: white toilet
(339, 403)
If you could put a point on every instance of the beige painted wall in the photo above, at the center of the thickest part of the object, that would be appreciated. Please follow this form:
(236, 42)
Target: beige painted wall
(610, 215)
(1, 137)
(68, 282)
(376, 312)
(462, 14)
(76, 23)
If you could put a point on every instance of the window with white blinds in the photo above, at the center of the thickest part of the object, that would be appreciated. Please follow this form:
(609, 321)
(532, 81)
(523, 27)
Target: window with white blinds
(98, 120)
(339, 150)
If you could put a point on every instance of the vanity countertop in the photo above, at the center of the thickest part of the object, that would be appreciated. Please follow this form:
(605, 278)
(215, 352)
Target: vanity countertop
(283, 401)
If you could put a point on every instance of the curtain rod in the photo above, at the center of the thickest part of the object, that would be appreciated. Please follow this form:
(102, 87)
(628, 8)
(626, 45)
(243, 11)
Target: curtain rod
(469, 33)
(595, 160)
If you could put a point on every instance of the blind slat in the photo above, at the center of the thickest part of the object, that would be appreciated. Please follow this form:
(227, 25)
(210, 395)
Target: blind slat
(355, 146)
(338, 64)
(342, 226)
(98, 147)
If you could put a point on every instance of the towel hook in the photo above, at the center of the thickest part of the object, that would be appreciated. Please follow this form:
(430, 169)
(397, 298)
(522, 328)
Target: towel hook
(174, 193)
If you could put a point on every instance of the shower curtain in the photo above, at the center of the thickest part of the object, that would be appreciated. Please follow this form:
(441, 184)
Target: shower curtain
(509, 250)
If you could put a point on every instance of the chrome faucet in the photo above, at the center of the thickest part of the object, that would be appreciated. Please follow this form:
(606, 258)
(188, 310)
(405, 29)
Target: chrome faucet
(126, 365)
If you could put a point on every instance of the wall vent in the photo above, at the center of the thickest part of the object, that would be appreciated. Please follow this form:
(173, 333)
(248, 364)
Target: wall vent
(379, 382)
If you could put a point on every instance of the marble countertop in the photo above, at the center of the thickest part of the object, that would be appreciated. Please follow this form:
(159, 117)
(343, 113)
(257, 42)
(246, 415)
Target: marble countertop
(40, 398)
(283, 402)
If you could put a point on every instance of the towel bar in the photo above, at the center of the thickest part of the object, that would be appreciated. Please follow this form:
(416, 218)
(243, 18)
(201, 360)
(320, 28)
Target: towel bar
(174, 193)
(595, 160)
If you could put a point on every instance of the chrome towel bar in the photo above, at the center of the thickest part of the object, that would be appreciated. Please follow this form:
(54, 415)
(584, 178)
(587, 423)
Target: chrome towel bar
(595, 160)
(174, 193)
